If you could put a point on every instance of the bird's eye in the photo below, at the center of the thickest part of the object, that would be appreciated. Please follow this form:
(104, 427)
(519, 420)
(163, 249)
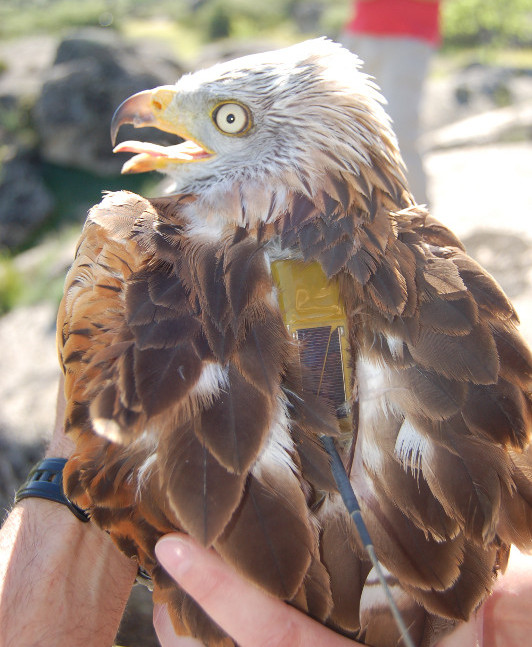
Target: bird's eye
(232, 118)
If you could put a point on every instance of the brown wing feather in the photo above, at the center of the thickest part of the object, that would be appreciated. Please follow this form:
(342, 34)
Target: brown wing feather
(344, 562)
(377, 625)
(443, 383)
(203, 493)
(269, 538)
(231, 430)
(175, 355)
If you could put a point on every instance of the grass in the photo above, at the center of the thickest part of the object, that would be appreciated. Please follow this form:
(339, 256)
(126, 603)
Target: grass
(448, 60)
(11, 284)
(184, 43)
(517, 58)
(21, 18)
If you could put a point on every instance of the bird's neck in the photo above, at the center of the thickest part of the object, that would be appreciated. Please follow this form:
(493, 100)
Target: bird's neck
(293, 203)
(218, 210)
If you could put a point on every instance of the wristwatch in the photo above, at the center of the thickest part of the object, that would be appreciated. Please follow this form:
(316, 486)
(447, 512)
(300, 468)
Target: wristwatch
(45, 481)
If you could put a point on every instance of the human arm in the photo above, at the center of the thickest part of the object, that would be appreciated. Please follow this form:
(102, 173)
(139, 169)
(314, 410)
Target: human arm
(62, 582)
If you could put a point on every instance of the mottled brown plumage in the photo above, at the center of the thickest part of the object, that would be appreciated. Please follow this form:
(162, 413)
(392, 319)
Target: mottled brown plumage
(185, 393)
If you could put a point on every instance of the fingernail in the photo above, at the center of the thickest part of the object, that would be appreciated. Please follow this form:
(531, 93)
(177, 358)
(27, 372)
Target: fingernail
(174, 554)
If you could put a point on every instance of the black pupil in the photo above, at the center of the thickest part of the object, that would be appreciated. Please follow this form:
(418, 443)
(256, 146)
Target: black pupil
(230, 118)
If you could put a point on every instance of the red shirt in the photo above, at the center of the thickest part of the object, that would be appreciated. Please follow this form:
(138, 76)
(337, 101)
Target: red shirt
(416, 18)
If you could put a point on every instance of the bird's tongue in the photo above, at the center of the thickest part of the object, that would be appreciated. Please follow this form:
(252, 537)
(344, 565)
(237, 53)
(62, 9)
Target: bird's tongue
(152, 157)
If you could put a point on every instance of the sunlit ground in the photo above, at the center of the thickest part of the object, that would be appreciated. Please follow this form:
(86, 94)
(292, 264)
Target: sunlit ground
(485, 195)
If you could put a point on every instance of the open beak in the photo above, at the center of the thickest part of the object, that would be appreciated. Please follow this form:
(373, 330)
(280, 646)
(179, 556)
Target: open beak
(154, 108)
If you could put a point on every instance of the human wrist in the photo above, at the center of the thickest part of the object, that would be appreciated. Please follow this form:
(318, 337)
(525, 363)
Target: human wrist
(64, 542)
(60, 446)
(45, 481)
(41, 542)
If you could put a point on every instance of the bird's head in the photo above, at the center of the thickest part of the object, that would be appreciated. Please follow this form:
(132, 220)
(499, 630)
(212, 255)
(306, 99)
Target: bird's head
(285, 117)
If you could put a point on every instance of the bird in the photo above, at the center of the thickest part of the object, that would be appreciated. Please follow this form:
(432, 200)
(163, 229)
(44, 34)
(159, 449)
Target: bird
(288, 287)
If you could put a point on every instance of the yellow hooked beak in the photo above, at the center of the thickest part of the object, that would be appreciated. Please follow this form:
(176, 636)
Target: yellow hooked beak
(154, 108)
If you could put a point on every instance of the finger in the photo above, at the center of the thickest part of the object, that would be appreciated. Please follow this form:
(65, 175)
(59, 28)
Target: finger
(165, 630)
(507, 616)
(261, 620)
(468, 634)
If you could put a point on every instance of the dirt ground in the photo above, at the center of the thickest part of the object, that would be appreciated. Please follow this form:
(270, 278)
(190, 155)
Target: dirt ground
(485, 195)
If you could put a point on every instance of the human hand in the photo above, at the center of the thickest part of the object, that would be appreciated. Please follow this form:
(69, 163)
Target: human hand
(262, 620)
(505, 619)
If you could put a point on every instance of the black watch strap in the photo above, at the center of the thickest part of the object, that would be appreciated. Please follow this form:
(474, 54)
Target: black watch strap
(45, 481)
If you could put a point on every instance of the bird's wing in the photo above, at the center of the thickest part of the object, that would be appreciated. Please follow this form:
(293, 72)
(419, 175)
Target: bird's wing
(180, 396)
(443, 410)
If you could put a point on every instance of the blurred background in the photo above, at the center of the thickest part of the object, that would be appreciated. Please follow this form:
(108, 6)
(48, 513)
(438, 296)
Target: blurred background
(64, 68)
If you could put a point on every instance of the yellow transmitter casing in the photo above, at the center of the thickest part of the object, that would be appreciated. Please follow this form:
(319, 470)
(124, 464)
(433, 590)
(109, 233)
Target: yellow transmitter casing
(316, 318)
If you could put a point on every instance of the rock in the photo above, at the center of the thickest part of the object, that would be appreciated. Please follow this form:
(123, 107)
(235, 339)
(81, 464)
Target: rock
(16, 460)
(136, 628)
(473, 90)
(29, 373)
(25, 202)
(513, 123)
(93, 72)
(23, 63)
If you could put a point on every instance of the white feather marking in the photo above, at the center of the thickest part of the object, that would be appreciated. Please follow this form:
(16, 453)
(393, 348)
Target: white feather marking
(373, 596)
(148, 440)
(410, 447)
(108, 428)
(213, 377)
(396, 346)
(280, 447)
(210, 228)
(143, 472)
(271, 299)
(276, 252)
(376, 381)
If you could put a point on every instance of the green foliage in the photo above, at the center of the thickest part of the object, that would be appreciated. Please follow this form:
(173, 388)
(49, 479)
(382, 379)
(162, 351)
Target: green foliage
(16, 124)
(334, 17)
(11, 284)
(465, 22)
(487, 22)
(219, 24)
(216, 19)
(37, 275)
(21, 17)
